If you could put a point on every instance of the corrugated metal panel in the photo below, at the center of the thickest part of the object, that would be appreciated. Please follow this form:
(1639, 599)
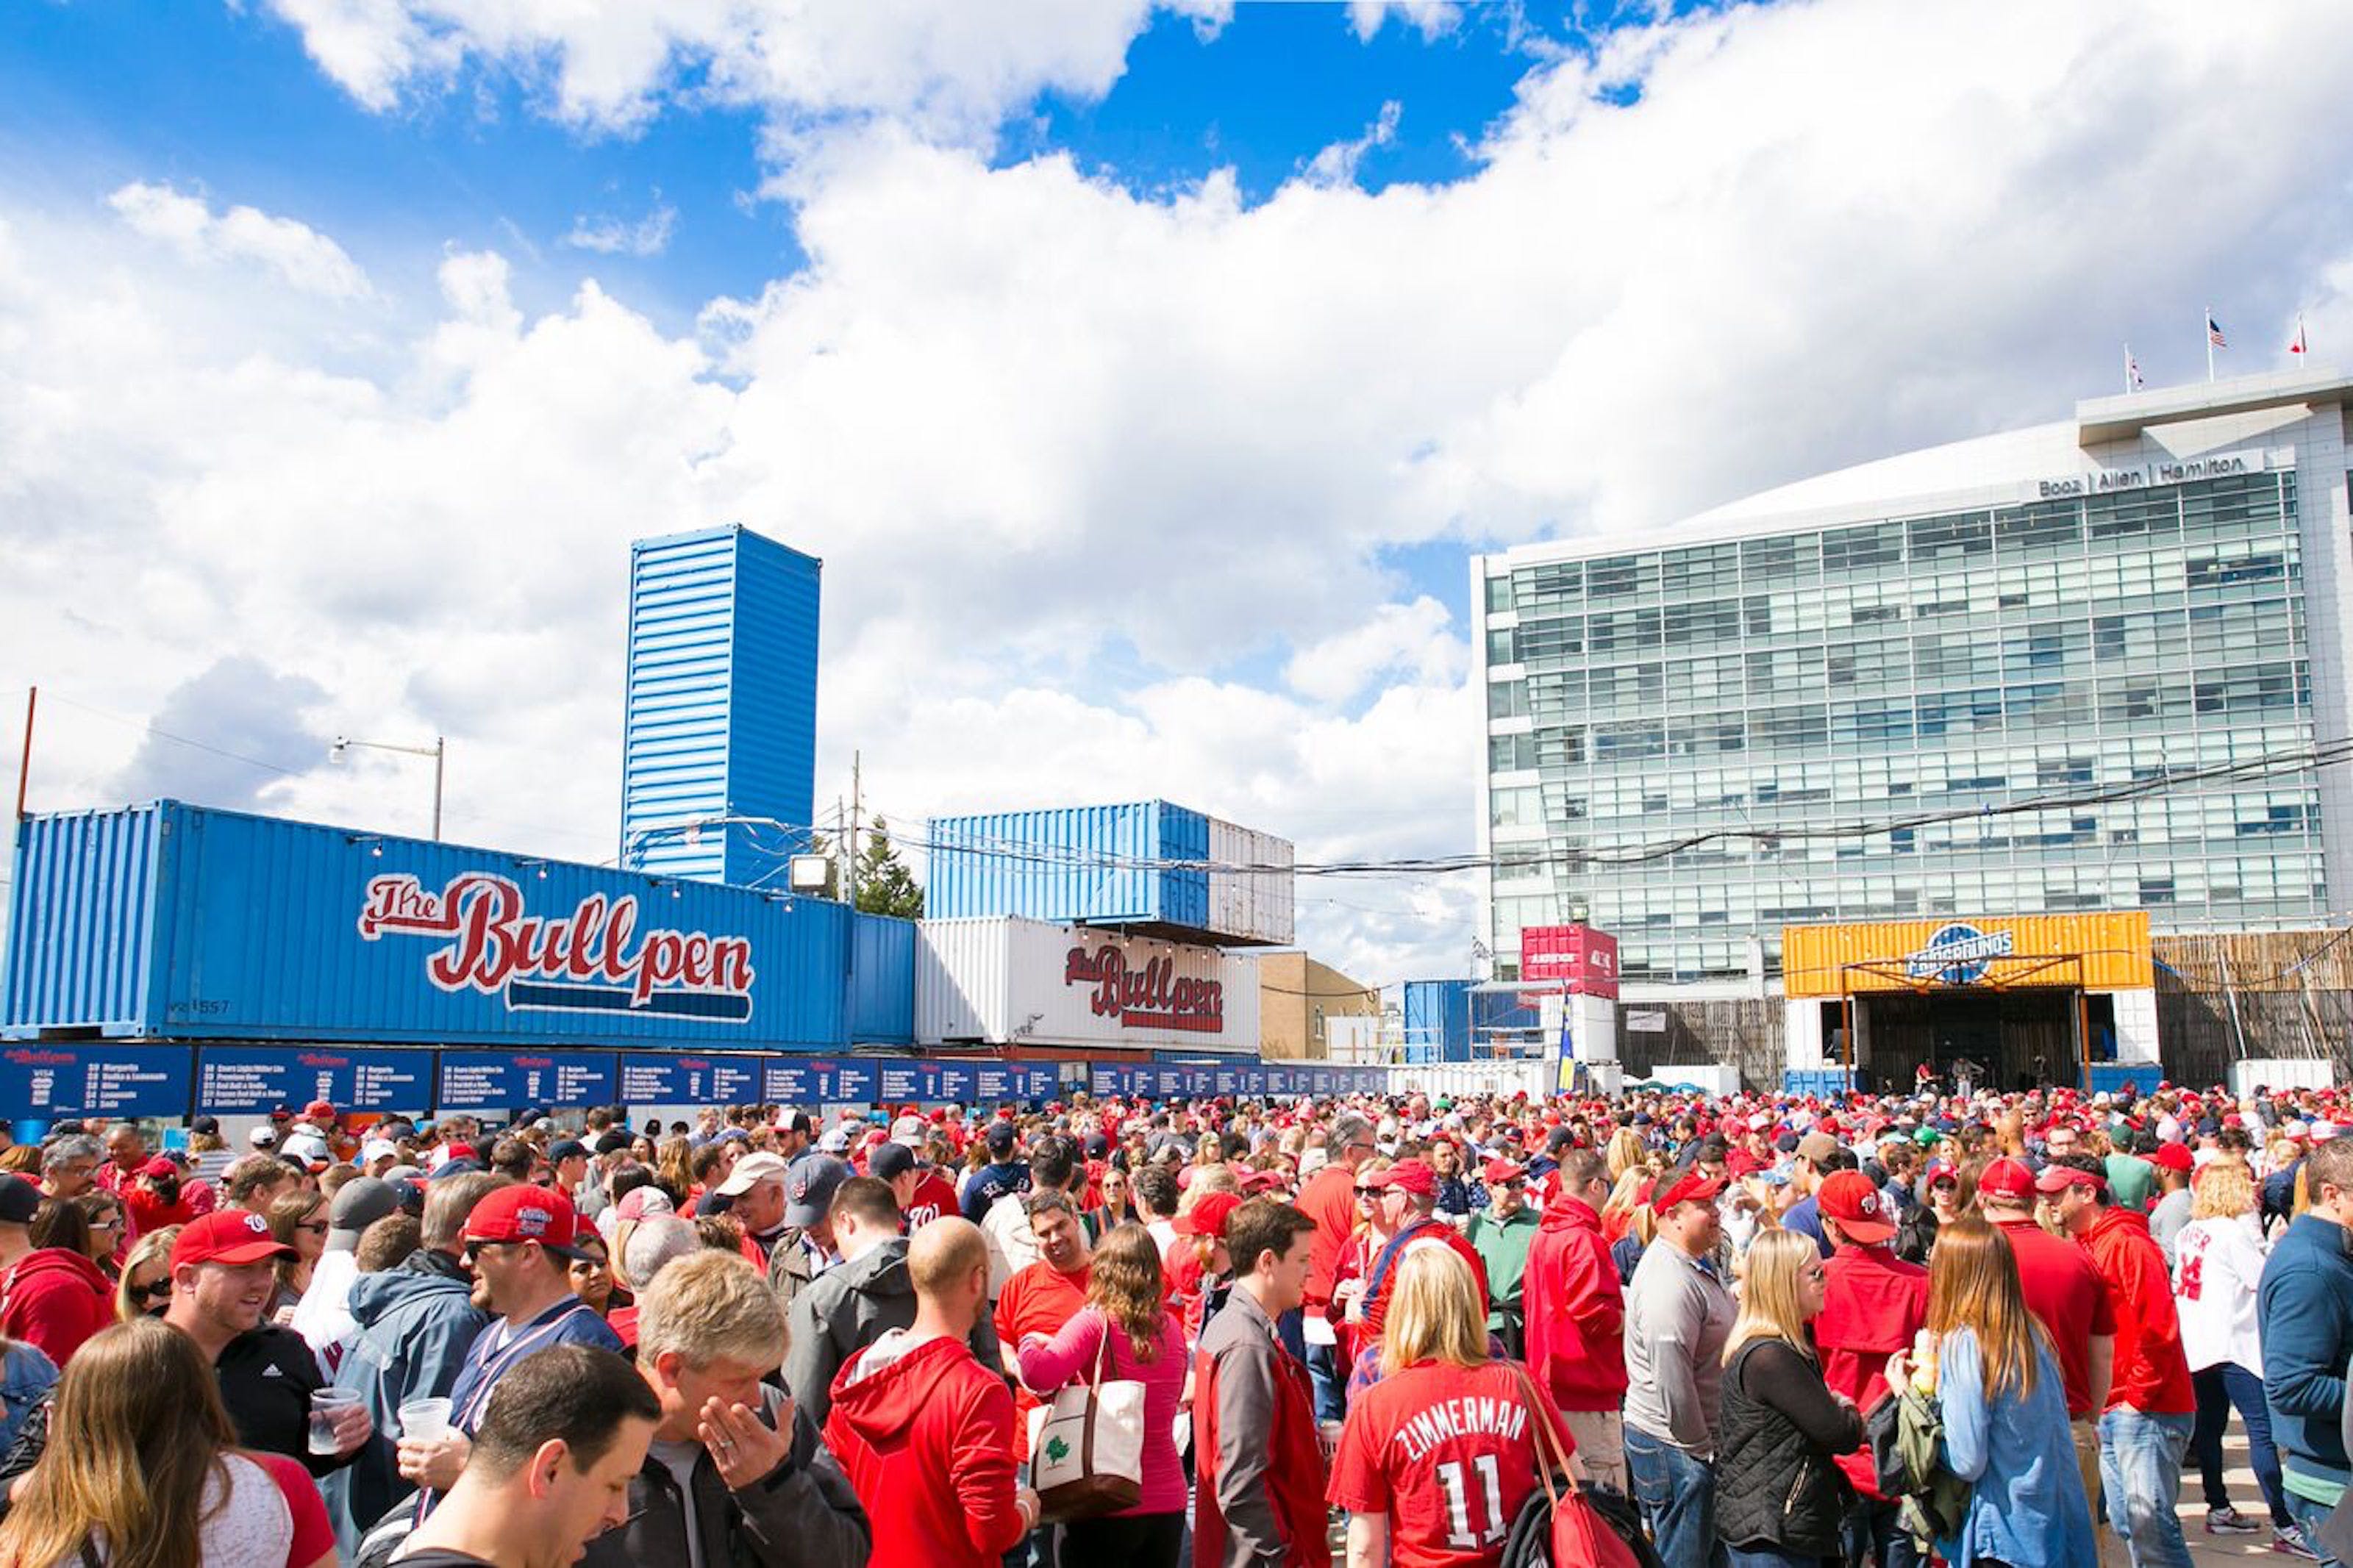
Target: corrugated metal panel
(260, 928)
(1257, 903)
(1437, 1020)
(2099, 951)
(721, 706)
(1007, 980)
(1092, 865)
(80, 926)
(882, 981)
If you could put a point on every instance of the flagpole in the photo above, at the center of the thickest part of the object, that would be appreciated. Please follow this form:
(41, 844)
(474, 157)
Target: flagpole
(2207, 326)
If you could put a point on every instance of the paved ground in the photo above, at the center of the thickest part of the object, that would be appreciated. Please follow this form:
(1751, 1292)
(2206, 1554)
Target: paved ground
(2244, 1496)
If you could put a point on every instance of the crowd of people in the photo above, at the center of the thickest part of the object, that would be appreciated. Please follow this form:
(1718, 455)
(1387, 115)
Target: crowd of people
(1758, 1330)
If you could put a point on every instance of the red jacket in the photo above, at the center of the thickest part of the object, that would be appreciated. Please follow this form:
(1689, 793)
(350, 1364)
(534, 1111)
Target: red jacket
(55, 1299)
(1575, 1308)
(927, 1442)
(1429, 1230)
(1872, 1304)
(1329, 1199)
(2152, 1374)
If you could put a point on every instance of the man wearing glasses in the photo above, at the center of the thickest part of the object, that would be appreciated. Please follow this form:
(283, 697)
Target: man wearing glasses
(519, 1244)
(1329, 1199)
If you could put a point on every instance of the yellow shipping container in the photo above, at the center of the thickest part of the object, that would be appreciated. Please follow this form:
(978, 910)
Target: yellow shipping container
(2102, 952)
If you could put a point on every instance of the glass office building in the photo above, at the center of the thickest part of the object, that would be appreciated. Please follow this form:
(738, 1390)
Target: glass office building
(2006, 661)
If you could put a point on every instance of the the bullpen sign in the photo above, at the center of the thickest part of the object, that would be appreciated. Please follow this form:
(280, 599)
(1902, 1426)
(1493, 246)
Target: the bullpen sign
(1152, 997)
(593, 959)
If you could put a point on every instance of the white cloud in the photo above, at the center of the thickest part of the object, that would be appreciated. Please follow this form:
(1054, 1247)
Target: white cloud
(648, 235)
(300, 255)
(950, 67)
(1336, 164)
(1430, 18)
(1075, 456)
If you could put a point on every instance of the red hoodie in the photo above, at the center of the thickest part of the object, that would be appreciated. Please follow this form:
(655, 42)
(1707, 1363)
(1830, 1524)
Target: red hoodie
(55, 1299)
(926, 1439)
(1575, 1308)
(2152, 1374)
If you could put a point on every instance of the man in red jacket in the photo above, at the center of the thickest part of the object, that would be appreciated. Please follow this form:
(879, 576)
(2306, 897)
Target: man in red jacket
(1259, 1500)
(2151, 1408)
(923, 1431)
(1872, 1304)
(1329, 1199)
(1576, 1314)
(50, 1297)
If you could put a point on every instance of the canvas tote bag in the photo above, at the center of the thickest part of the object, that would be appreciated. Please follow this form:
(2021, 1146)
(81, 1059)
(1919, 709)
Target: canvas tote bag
(1086, 1445)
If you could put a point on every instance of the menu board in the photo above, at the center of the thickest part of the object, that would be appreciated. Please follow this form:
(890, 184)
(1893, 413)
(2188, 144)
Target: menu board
(252, 1080)
(907, 1081)
(994, 1085)
(515, 1080)
(792, 1080)
(851, 1083)
(44, 1082)
(959, 1082)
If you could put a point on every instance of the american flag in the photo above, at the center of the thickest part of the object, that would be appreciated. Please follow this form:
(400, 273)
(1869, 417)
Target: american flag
(2297, 345)
(2214, 332)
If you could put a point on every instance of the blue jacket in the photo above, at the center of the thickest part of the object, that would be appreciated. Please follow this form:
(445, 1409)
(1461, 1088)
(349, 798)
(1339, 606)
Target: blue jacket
(2305, 1310)
(26, 1375)
(2027, 1506)
(416, 1325)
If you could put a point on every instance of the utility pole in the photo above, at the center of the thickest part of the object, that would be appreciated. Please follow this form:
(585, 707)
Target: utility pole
(24, 763)
(855, 773)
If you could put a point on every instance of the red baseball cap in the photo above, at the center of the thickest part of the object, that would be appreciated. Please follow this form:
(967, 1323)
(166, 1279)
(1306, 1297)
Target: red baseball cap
(2059, 1178)
(525, 1214)
(159, 1169)
(1208, 1217)
(2173, 1157)
(231, 1236)
(1848, 1197)
(1414, 1175)
(1693, 1188)
(317, 1110)
(2007, 1179)
(1502, 1170)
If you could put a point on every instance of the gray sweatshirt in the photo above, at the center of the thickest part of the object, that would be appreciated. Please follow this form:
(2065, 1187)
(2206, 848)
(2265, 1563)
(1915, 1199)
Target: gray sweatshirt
(1677, 1320)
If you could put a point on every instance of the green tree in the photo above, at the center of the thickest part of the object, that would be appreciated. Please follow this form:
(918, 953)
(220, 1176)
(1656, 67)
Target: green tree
(885, 886)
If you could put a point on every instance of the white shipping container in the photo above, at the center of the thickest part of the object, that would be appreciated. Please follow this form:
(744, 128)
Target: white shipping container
(1255, 904)
(1003, 980)
(2278, 1072)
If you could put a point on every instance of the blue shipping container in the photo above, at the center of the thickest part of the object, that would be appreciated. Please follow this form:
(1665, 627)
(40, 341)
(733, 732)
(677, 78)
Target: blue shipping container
(720, 716)
(171, 921)
(882, 981)
(1092, 865)
(1437, 1021)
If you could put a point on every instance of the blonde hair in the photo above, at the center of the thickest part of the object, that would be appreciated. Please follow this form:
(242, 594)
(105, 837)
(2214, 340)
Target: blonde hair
(156, 1246)
(135, 1438)
(709, 1306)
(2225, 1189)
(1433, 1312)
(1624, 1153)
(1774, 1274)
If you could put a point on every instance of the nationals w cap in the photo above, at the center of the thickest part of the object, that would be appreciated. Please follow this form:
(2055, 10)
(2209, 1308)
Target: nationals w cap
(232, 1236)
(1859, 1208)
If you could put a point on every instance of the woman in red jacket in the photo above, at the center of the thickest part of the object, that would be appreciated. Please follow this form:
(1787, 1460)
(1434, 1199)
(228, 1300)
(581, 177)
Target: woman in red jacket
(1576, 1314)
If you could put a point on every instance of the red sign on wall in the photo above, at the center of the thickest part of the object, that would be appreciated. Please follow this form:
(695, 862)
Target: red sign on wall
(1583, 959)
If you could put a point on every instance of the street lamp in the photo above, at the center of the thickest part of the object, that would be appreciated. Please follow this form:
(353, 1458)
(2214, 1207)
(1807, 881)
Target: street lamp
(438, 751)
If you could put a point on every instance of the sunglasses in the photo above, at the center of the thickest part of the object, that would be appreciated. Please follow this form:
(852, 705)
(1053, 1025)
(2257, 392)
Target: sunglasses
(474, 1250)
(1370, 1192)
(157, 1291)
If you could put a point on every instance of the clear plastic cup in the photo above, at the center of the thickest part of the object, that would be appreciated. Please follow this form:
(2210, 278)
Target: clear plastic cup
(424, 1420)
(326, 1404)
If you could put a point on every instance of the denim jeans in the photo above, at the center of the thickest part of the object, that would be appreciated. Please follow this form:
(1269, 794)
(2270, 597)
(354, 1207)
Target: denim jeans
(1768, 1557)
(1329, 1379)
(2219, 1387)
(1875, 1539)
(2140, 1471)
(1677, 1496)
(2310, 1516)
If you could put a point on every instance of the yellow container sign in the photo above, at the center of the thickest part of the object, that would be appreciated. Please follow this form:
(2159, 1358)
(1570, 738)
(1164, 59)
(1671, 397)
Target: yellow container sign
(2104, 951)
